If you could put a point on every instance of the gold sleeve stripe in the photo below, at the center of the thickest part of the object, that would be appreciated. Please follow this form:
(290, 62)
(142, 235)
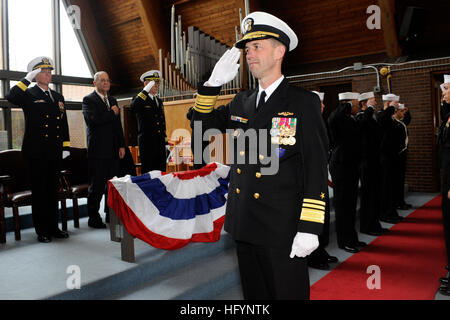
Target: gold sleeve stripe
(66, 144)
(142, 96)
(313, 206)
(22, 86)
(206, 100)
(200, 106)
(318, 212)
(307, 215)
(313, 201)
(203, 110)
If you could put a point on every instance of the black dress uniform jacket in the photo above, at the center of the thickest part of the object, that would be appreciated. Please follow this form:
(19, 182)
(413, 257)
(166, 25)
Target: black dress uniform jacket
(151, 131)
(104, 128)
(46, 127)
(46, 134)
(269, 210)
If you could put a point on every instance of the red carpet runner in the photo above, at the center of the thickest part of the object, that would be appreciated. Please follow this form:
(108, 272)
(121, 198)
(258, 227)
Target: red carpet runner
(411, 257)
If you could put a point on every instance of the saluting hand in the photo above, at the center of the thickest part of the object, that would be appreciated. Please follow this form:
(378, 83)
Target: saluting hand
(226, 68)
(149, 86)
(32, 74)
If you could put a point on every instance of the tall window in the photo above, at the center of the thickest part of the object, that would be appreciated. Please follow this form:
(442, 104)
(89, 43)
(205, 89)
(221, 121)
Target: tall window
(30, 32)
(73, 62)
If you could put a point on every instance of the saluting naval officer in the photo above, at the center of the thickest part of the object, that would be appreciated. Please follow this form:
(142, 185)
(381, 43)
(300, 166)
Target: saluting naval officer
(151, 122)
(44, 145)
(345, 158)
(393, 142)
(274, 217)
(369, 170)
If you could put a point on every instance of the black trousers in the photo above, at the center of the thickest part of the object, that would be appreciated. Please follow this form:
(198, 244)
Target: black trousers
(44, 177)
(369, 209)
(270, 274)
(100, 171)
(153, 157)
(445, 167)
(345, 198)
(389, 169)
(399, 198)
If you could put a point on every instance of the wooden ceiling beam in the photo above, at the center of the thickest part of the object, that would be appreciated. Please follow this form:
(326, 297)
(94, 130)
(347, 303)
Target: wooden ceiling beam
(154, 25)
(389, 28)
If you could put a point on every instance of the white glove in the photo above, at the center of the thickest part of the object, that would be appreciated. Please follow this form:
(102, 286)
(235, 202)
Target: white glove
(31, 75)
(65, 154)
(304, 244)
(226, 68)
(149, 86)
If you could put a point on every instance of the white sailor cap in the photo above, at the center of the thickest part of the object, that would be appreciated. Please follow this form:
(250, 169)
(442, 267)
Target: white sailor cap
(320, 94)
(366, 96)
(446, 80)
(390, 97)
(152, 75)
(40, 62)
(348, 96)
(262, 25)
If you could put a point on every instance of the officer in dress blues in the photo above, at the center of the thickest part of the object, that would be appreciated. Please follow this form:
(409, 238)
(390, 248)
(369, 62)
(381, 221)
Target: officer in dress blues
(275, 219)
(45, 143)
(344, 164)
(393, 143)
(369, 170)
(151, 122)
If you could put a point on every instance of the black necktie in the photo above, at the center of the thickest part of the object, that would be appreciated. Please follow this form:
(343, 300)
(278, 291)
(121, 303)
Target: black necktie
(106, 102)
(262, 100)
(48, 95)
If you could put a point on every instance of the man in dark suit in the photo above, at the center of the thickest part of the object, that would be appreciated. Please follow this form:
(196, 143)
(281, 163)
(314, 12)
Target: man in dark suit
(345, 158)
(105, 142)
(46, 135)
(151, 123)
(399, 197)
(276, 202)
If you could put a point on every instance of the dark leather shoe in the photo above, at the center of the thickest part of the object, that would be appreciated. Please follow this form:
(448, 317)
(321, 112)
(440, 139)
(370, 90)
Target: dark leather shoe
(373, 233)
(389, 220)
(444, 281)
(350, 249)
(360, 244)
(58, 234)
(44, 239)
(332, 259)
(319, 265)
(445, 290)
(96, 224)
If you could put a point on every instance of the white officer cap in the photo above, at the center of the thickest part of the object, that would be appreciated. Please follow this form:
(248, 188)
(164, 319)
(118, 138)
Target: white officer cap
(348, 96)
(390, 97)
(320, 94)
(366, 96)
(446, 80)
(262, 25)
(152, 75)
(40, 62)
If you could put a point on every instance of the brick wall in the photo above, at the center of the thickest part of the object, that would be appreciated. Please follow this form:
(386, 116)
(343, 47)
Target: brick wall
(414, 83)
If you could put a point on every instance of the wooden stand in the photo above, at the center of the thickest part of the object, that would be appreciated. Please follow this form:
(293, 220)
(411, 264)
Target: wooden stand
(120, 234)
